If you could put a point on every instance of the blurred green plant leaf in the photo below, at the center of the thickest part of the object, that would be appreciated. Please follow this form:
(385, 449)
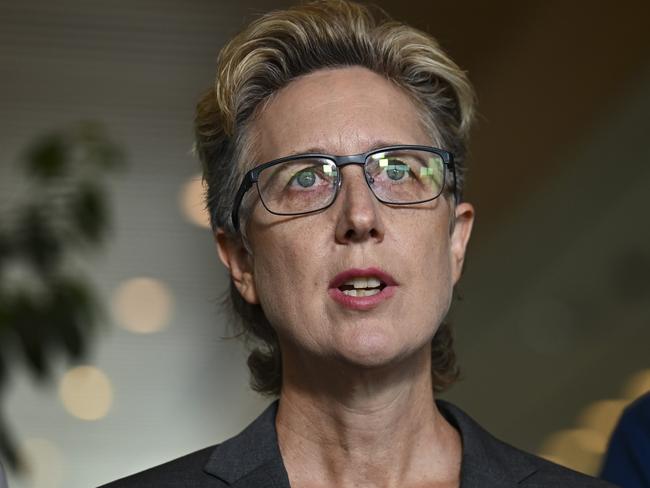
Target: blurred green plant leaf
(88, 212)
(37, 240)
(6, 446)
(32, 331)
(48, 158)
(74, 310)
(44, 309)
(96, 148)
(5, 250)
(3, 365)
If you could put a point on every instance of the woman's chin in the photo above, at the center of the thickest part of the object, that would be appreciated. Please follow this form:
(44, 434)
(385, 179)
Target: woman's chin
(372, 350)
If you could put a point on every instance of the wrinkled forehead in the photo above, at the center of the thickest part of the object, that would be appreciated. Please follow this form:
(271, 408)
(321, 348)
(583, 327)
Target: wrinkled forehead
(336, 111)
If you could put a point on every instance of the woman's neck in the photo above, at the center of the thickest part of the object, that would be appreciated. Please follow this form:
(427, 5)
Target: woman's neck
(344, 426)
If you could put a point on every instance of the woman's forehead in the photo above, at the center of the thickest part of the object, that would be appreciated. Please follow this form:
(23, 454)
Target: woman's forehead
(337, 111)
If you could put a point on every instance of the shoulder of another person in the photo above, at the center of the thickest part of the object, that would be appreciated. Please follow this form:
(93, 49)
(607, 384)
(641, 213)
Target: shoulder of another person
(490, 462)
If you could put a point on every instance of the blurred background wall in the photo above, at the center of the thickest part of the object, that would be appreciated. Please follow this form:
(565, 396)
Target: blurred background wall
(553, 331)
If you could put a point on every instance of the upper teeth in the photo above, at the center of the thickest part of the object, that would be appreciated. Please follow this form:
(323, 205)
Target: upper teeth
(363, 283)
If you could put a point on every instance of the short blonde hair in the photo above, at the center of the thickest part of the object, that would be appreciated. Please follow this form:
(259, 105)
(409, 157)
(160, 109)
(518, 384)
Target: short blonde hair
(277, 48)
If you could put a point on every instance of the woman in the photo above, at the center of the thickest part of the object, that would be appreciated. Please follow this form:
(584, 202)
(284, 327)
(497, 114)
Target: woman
(333, 145)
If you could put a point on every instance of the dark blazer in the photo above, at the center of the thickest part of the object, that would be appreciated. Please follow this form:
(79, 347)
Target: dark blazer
(252, 460)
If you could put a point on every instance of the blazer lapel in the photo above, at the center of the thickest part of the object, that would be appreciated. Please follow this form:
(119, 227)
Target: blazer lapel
(486, 460)
(483, 480)
(271, 475)
(252, 458)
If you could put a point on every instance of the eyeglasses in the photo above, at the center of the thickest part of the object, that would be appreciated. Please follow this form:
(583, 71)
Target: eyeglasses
(306, 183)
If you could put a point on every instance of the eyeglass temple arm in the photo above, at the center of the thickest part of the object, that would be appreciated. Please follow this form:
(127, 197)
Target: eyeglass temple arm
(245, 186)
(452, 166)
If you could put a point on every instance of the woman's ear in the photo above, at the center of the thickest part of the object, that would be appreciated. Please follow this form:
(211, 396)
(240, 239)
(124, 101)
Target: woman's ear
(239, 262)
(461, 230)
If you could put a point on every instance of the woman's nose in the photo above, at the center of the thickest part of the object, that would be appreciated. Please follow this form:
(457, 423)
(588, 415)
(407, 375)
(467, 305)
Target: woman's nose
(359, 217)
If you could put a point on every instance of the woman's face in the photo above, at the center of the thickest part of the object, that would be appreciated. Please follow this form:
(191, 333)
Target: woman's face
(299, 263)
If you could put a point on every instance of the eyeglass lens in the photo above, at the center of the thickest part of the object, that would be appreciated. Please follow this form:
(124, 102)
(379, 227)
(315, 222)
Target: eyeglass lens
(400, 176)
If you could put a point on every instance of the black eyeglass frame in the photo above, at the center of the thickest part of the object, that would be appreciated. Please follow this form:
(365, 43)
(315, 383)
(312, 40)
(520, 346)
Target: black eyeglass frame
(252, 176)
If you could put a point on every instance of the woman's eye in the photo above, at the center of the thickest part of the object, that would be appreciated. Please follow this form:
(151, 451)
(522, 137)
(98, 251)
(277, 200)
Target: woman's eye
(397, 171)
(305, 178)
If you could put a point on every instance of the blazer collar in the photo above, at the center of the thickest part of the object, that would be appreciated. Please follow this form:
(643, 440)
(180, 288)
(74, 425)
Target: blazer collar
(253, 459)
(486, 460)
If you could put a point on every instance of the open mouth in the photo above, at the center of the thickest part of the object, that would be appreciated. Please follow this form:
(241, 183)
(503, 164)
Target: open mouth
(362, 287)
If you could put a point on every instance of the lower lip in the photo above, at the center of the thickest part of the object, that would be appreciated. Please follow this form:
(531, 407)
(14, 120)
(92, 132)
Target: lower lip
(361, 303)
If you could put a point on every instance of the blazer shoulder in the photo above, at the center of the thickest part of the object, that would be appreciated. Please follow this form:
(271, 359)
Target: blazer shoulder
(253, 452)
(186, 471)
(488, 461)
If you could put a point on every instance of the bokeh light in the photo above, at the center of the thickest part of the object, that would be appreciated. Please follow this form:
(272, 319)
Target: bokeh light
(192, 202)
(582, 448)
(579, 449)
(601, 416)
(86, 392)
(44, 462)
(142, 305)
